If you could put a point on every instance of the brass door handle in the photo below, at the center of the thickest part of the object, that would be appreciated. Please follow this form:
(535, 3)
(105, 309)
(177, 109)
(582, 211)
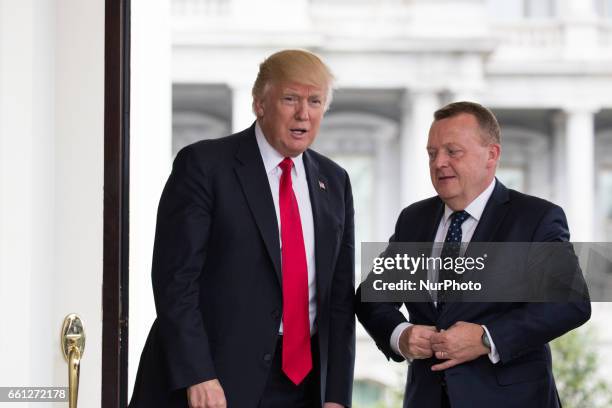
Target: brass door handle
(73, 344)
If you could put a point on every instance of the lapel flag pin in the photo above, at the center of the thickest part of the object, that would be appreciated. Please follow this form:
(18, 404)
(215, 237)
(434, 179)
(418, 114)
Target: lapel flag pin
(322, 185)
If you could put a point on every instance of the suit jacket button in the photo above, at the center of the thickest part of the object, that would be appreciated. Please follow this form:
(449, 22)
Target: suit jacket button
(267, 357)
(275, 314)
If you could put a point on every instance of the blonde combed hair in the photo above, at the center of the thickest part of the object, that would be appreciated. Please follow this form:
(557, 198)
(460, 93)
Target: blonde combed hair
(299, 66)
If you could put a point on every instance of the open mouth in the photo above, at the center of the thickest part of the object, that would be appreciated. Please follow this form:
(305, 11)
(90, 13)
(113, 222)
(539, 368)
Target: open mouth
(445, 178)
(298, 132)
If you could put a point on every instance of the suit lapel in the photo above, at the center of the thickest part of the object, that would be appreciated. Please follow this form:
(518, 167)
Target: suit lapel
(493, 214)
(428, 234)
(325, 229)
(256, 187)
(436, 214)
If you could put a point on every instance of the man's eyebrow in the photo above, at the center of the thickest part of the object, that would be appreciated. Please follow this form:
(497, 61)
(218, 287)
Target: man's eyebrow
(289, 89)
(453, 144)
(297, 94)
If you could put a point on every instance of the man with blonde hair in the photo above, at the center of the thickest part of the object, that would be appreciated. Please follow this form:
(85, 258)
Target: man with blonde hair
(253, 270)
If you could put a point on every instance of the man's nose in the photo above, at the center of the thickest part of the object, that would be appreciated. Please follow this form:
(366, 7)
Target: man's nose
(440, 160)
(301, 111)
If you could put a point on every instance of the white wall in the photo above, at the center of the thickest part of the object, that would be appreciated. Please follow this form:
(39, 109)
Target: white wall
(51, 195)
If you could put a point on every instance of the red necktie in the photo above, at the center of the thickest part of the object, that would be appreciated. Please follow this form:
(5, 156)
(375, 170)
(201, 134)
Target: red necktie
(297, 359)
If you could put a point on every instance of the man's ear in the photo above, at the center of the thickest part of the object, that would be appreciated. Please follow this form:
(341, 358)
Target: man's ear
(258, 107)
(494, 152)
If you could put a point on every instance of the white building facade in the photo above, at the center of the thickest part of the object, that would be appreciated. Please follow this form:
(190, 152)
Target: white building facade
(543, 66)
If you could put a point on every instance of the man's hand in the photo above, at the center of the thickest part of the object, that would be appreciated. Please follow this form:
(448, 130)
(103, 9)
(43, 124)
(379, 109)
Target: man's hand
(414, 342)
(460, 343)
(207, 394)
(332, 405)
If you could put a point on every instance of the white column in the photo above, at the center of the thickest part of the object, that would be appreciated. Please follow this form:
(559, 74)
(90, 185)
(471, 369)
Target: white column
(242, 111)
(414, 180)
(150, 157)
(580, 141)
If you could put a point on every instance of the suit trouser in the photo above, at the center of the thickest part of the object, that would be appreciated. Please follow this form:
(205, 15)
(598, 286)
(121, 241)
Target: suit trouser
(444, 401)
(280, 392)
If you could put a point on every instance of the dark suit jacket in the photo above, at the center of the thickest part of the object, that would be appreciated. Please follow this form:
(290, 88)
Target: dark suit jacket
(521, 331)
(217, 276)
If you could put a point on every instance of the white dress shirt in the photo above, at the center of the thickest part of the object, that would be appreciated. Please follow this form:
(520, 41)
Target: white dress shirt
(272, 159)
(475, 210)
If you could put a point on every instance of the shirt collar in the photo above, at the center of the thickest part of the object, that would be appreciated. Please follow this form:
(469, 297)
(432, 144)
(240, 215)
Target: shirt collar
(476, 207)
(271, 157)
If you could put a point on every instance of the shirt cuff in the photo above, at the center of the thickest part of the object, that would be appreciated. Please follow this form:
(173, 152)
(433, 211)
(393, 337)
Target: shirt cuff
(395, 337)
(493, 355)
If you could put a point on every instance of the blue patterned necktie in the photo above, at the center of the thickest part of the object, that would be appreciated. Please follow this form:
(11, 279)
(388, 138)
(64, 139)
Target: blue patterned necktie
(452, 242)
(451, 249)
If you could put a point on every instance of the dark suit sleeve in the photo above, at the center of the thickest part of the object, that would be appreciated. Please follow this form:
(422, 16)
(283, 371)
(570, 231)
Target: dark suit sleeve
(341, 355)
(183, 224)
(381, 318)
(534, 324)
